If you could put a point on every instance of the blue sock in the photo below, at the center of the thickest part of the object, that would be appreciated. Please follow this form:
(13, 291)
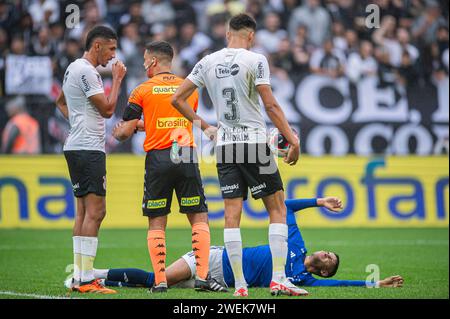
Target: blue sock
(131, 277)
(111, 283)
(150, 280)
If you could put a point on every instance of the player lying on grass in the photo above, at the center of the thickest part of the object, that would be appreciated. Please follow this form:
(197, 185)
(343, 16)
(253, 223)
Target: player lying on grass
(300, 267)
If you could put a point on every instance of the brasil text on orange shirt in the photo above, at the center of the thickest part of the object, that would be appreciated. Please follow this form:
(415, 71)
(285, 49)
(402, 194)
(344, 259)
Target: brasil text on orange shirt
(163, 123)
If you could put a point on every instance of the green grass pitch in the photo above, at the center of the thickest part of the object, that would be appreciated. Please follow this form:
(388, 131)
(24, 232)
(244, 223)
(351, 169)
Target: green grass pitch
(33, 262)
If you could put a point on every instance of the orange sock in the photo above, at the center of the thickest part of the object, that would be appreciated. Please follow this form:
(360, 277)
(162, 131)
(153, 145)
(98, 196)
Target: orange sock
(200, 245)
(156, 242)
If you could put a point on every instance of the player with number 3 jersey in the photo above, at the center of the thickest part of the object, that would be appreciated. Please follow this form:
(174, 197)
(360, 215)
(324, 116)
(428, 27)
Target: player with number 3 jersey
(235, 78)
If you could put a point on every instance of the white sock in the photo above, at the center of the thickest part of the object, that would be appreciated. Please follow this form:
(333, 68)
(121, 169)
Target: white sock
(76, 259)
(233, 244)
(101, 273)
(88, 253)
(278, 234)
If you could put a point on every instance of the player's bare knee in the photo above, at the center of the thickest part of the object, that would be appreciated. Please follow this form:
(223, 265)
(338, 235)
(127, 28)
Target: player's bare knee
(96, 218)
(178, 272)
(95, 214)
(198, 218)
(157, 223)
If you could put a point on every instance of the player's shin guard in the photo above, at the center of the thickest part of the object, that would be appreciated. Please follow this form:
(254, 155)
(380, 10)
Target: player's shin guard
(200, 246)
(278, 234)
(156, 241)
(233, 244)
(76, 260)
(88, 253)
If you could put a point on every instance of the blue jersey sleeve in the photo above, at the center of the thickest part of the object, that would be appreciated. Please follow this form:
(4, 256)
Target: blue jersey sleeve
(338, 283)
(293, 205)
(313, 282)
(299, 204)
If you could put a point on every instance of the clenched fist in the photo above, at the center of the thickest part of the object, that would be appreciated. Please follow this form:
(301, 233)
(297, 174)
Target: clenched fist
(118, 70)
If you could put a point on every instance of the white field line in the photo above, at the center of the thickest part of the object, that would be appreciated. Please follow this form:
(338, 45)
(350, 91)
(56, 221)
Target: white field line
(20, 294)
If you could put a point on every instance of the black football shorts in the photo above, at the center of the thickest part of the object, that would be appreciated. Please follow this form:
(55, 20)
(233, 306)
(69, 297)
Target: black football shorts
(87, 171)
(243, 166)
(163, 176)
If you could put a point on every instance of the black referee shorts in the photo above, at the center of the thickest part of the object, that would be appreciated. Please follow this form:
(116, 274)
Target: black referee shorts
(87, 171)
(163, 176)
(243, 166)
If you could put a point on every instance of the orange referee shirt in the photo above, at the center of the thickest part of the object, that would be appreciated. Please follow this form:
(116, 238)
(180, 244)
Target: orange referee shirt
(163, 123)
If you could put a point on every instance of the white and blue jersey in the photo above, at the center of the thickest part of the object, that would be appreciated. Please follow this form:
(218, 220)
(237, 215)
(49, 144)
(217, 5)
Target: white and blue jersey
(257, 261)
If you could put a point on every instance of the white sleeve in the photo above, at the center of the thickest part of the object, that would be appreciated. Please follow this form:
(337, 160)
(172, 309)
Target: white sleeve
(90, 82)
(261, 71)
(197, 75)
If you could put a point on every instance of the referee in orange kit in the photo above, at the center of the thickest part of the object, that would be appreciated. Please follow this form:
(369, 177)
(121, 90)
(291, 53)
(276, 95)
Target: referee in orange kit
(171, 164)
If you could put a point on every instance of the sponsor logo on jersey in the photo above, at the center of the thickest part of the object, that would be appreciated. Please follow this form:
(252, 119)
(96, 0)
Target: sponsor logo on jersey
(234, 69)
(260, 72)
(229, 188)
(224, 71)
(235, 134)
(169, 78)
(190, 201)
(86, 85)
(258, 188)
(165, 89)
(197, 69)
(157, 203)
(171, 122)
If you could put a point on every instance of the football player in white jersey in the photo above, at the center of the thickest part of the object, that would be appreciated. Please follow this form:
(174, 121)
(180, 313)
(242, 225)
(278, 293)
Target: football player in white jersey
(84, 104)
(235, 79)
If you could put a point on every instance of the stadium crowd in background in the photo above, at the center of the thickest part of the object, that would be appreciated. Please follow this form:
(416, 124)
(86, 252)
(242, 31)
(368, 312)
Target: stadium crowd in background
(299, 37)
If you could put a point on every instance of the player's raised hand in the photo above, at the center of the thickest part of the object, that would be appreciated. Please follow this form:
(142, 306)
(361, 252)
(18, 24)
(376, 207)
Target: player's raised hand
(333, 204)
(118, 70)
(393, 281)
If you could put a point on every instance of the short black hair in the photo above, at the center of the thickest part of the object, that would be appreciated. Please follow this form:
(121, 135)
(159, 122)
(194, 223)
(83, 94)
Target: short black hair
(335, 269)
(99, 32)
(162, 48)
(242, 21)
